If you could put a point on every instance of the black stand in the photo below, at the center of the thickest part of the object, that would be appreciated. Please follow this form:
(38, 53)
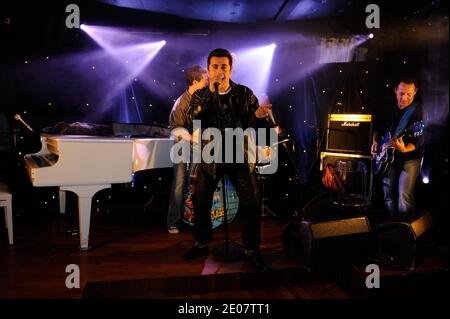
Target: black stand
(265, 210)
(227, 252)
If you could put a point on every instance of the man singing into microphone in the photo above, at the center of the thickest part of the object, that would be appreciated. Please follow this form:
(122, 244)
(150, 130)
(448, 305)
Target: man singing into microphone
(239, 108)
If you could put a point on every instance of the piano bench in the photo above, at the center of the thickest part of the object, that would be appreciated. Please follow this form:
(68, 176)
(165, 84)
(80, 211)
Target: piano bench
(6, 202)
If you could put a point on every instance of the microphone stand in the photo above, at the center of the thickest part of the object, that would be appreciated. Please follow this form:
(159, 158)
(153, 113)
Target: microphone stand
(226, 252)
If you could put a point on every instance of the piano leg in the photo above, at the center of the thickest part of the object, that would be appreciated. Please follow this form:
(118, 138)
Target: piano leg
(85, 194)
(62, 202)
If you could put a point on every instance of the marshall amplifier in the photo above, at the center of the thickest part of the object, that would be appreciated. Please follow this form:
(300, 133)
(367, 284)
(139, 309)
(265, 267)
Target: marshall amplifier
(349, 133)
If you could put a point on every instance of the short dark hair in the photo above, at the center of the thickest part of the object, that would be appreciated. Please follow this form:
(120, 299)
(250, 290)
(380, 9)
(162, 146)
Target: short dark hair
(407, 80)
(220, 53)
(194, 73)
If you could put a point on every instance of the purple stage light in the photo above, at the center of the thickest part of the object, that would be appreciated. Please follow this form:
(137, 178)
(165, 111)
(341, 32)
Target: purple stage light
(252, 67)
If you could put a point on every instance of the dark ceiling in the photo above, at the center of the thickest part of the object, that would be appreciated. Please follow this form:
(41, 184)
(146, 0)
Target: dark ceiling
(251, 11)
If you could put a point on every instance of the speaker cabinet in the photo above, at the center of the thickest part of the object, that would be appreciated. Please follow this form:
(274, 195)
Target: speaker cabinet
(396, 242)
(324, 245)
(349, 133)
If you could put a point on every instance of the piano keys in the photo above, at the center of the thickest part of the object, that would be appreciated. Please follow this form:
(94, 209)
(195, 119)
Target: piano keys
(88, 164)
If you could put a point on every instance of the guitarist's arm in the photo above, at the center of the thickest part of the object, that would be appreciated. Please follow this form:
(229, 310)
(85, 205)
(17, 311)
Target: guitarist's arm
(400, 146)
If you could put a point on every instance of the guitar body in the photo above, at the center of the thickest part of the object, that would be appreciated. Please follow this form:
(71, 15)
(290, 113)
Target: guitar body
(383, 160)
(386, 156)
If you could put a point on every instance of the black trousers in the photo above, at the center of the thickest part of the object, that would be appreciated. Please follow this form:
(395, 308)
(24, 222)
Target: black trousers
(247, 190)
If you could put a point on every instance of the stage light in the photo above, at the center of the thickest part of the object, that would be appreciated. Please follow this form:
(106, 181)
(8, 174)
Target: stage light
(83, 26)
(258, 79)
(425, 180)
(371, 36)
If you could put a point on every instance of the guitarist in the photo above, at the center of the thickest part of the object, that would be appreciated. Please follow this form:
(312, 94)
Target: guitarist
(400, 176)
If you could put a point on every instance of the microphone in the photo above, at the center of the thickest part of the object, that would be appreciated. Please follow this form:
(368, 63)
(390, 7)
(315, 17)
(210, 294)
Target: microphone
(217, 81)
(216, 86)
(271, 117)
(17, 117)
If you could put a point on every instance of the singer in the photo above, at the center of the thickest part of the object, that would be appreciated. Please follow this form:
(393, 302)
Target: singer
(239, 108)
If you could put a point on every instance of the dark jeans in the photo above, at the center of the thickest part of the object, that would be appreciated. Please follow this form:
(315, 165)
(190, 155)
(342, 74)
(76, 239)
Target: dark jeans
(247, 190)
(176, 201)
(399, 182)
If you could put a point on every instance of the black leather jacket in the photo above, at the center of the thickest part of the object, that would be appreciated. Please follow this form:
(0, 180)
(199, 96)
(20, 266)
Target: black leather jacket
(243, 106)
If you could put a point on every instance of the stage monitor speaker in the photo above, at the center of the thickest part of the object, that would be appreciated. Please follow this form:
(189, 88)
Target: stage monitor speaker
(396, 242)
(323, 245)
(349, 133)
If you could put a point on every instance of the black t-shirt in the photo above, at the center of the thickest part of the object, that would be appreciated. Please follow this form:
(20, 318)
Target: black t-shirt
(417, 116)
(226, 113)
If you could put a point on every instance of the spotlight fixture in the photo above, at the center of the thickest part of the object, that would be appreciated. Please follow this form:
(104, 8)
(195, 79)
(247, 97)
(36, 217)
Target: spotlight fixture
(370, 36)
(425, 180)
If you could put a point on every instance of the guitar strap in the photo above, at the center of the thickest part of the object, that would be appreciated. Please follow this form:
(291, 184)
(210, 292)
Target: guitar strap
(405, 119)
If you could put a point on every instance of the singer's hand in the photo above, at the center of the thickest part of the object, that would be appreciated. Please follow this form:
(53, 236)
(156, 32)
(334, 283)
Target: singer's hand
(263, 110)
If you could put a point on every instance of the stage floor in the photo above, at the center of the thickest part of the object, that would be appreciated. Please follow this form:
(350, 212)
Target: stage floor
(141, 261)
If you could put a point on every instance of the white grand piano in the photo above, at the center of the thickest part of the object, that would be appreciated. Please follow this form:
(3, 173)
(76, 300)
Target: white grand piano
(88, 164)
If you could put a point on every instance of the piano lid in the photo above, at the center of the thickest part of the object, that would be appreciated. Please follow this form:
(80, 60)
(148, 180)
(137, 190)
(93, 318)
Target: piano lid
(89, 138)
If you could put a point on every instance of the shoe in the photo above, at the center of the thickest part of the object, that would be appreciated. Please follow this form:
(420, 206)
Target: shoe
(173, 230)
(196, 252)
(255, 258)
